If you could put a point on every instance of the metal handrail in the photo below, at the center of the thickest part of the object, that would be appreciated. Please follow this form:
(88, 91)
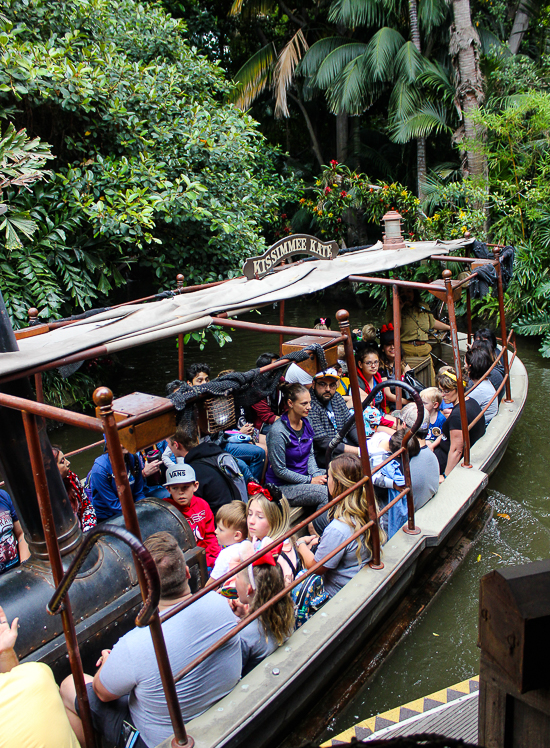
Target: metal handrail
(140, 552)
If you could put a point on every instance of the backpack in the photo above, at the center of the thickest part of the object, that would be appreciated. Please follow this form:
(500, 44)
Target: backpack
(227, 466)
(308, 597)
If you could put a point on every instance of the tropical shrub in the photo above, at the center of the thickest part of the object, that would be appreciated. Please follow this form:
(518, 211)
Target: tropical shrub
(153, 173)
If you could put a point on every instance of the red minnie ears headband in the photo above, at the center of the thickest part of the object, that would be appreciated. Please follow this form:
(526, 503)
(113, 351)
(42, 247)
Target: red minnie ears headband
(387, 328)
(255, 488)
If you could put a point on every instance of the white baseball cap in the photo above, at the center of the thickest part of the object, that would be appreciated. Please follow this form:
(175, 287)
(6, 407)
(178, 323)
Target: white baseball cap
(180, 473)
(332, 373)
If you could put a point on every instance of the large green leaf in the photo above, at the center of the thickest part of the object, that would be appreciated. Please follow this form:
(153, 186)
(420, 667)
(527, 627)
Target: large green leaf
(409, 63)
(354, 90)
(351, 13)
(430, 118)
(335, 63)
(254, 76)
(315, 55)
(381, 54)
(432, 13)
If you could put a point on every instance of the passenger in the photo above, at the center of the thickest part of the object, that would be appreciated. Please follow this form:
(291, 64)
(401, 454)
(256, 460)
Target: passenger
(416, 323)
(197, 374)
(231, 529)
(31, 710)
(387, 365)
(214, 486)
(344, 386)
(81, 504)
(153, 471)
(478, 361)
(328, 415)
(432, 400)
(487, 336)
(182, 484)
(346, 518)
(290, 452)
(368, 361)
(103, 487)
(131, 669)
(256, 585)
(389, 480)
(495, 375)
(445, 407)
(13, 546)
(266, 411)
(322, 323)
(268, 520)
(449, 447)
(424, 465)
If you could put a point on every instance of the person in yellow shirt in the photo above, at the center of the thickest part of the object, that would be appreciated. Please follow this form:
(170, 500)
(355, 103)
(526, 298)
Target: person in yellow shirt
(31, 711)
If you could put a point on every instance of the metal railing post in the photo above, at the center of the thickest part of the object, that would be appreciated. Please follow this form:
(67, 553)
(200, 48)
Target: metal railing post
(503, 334)
(411, 528)
(103, 398)
(469, 312)
(458, 366)
(48, 523)
(282, 324)
(397, 345)
(343, 321)
(180, 280)
(33, 321)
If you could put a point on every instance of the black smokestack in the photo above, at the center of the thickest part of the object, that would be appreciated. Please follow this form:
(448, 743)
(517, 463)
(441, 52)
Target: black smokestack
(16, 468)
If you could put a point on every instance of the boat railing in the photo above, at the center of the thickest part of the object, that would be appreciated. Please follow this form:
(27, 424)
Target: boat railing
(106, 424)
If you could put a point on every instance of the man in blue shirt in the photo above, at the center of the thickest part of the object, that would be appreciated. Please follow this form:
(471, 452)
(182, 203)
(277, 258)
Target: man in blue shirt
(13, 546)
(102, 483)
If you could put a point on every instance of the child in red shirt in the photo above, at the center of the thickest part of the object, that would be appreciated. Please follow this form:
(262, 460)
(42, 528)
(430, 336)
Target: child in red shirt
(181, 483)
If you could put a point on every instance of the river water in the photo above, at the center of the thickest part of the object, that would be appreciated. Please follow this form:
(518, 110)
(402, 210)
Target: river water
(440, 648)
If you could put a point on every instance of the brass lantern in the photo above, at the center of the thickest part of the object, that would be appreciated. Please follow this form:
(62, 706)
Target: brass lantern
(392, 238)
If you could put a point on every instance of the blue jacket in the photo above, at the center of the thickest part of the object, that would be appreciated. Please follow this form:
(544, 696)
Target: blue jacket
(102, 482)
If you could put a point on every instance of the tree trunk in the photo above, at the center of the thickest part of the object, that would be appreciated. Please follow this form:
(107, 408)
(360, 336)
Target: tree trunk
(520, 25)
(312, 135)
(420, 142)
(464, 49)
(341, 138)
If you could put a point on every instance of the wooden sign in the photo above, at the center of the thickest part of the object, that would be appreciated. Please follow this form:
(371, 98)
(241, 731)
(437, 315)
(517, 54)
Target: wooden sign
(296, 244)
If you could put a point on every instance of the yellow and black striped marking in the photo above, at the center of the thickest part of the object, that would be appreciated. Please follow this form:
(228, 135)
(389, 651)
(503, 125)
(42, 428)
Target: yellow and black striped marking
(367, 727)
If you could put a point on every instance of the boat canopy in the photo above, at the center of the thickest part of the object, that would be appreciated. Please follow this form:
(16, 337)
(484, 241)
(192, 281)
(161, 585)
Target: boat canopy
(131, 325)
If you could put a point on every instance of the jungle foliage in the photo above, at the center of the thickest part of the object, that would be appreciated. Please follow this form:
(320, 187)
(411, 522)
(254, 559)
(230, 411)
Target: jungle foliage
(153, 172)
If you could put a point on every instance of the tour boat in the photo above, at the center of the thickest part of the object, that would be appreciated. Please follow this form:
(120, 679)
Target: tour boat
(103, 581)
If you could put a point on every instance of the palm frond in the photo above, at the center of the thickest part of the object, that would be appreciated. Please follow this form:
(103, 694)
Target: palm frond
(353, 13)
(317, 53)
(448, 171)
(251, 8)
(253, 77)
(491, 44)
(432, 13)
(430, 118)
(381, 52)
(405, 100)
(409, 63)
(289, 58)
(354, 90)
(436, 77)
(335, 62)
(377, 159)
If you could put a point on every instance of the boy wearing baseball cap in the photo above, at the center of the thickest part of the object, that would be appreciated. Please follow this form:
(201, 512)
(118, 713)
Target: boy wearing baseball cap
(181, 483)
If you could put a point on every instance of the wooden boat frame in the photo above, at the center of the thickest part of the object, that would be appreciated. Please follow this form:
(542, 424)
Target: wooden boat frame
(275, 691)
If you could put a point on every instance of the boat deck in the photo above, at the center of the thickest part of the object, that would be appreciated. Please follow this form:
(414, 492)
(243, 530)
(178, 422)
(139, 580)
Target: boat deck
(451, 712)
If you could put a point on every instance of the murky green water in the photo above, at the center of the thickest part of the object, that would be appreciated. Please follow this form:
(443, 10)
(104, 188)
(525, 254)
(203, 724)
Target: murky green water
(440, 648)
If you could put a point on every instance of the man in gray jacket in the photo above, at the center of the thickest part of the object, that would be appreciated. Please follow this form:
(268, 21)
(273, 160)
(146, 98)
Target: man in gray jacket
(328, 414)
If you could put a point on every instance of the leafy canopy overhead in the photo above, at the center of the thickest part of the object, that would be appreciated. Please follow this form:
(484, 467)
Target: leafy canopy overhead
(152, 170)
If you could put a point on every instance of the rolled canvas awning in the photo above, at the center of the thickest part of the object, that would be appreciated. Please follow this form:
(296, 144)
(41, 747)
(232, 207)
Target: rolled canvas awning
(132, 325)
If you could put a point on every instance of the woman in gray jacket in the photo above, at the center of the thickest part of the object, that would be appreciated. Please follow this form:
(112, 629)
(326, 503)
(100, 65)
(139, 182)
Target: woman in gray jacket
(292, 464)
